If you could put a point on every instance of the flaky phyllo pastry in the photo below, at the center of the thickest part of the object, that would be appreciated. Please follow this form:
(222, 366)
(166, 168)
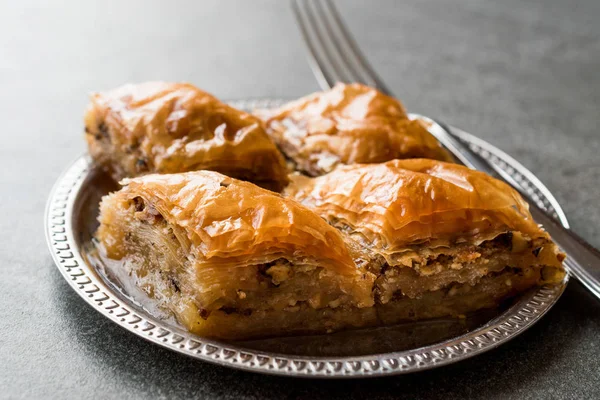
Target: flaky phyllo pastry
(348, 124)
(442, 239)
(376, 236)
(364, 245)
(230, 259)
(175, 127)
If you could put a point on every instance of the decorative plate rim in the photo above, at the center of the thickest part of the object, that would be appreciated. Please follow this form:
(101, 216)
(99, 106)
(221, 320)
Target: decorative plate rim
(83, 279)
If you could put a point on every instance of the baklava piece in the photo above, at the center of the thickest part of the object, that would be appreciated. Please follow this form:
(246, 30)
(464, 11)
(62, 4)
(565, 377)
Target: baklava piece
(232, 260)
(348, 124)
(442, 239)
(160, 127)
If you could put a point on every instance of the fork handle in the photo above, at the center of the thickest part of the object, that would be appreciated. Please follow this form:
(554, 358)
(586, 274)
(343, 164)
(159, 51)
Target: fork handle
(583, 260)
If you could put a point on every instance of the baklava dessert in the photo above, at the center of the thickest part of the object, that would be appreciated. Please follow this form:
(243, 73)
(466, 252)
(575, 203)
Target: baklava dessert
(364, 234)
(365, 245)
(441, 239)
(349, 124)
(233, 260)
(160, 127)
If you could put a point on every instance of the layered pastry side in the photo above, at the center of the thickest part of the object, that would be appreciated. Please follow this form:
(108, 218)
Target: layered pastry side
(232, 260)
(348, 124)
(440, 238)
(160, 127)
(365, 245)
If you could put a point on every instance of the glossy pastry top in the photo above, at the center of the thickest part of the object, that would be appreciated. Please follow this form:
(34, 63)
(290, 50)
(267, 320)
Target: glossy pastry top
(391, 205)
(175, 127)
(231, 223)
(348, 124)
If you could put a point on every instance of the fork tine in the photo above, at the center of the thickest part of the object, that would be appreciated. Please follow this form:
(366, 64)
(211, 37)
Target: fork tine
(315, 58)
(354, 58)
(329, 42)
(325, 55)
(325, 58)
(337, 47)
(333, 53)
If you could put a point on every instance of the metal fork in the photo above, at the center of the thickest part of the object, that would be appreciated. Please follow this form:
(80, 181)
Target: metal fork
(334, 57)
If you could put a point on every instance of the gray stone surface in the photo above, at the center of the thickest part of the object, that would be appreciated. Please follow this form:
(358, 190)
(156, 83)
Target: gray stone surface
(522, 75)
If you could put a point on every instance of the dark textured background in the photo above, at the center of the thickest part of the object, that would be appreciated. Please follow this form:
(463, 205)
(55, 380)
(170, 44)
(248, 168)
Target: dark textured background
(523, 75)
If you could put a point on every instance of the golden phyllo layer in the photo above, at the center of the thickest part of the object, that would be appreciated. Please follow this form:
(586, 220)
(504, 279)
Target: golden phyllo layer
(175, 127)
(427, 225)
(351, 123)
(402, 202)
(228, 247)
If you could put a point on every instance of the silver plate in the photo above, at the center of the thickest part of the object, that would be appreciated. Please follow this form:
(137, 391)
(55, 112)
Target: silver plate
(70, 220)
